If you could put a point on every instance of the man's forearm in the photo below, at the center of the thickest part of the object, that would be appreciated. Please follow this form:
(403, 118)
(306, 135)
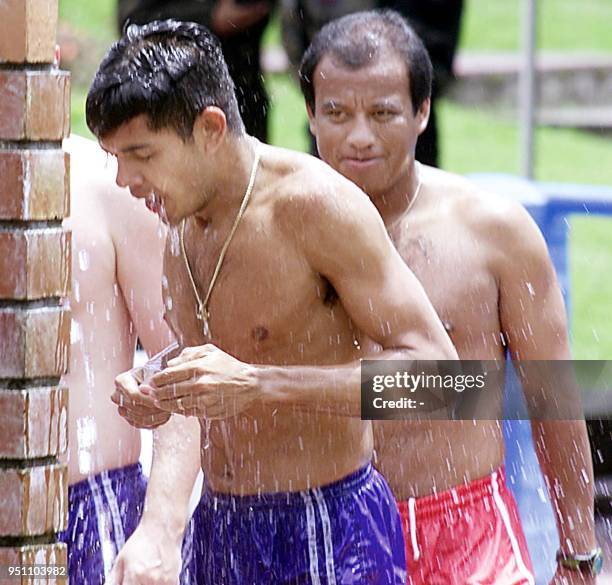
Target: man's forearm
(334, 389)
(564, 455)
(176, 463)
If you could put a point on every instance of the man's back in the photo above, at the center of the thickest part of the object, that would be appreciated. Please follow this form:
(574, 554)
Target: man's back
(115, 297)
(112, 302)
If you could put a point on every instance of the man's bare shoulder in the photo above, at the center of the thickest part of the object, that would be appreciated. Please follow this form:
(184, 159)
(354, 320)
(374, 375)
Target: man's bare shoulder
(500, 222)
(306, 191)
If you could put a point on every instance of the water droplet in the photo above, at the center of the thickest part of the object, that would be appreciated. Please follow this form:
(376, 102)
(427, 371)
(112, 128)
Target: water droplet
(83, 260)
(173, 237)
(86, 439)
(76, 332)
(585, 477)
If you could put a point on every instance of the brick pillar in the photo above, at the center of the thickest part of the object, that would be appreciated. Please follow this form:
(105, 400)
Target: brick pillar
(34, 278)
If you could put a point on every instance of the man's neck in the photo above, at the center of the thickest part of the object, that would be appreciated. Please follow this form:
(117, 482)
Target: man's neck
(233, 168)
(395, 202)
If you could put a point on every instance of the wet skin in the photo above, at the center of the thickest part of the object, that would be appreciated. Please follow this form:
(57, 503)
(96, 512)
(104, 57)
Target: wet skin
(112, 300)
(270, 306)
(481, 260)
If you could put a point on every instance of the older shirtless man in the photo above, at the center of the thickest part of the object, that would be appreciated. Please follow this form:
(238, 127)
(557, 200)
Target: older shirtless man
(482, 261)
(116, 296)
(280, 270)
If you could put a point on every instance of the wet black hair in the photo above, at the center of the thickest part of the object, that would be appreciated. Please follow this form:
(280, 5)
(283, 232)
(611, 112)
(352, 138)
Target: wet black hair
(167, 69)
(357, 40)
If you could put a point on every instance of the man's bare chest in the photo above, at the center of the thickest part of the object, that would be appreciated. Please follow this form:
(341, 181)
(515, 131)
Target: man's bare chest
(455, 272)
(262, 289)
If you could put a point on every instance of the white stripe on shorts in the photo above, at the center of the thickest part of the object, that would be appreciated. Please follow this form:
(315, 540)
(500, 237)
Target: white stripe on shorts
(106, 544)
(111, 498)
(503, 511)
(327, 539)
(312, 539)
(416, 553)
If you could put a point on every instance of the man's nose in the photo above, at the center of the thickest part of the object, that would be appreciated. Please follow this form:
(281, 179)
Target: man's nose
(360, 135)
(127, 178)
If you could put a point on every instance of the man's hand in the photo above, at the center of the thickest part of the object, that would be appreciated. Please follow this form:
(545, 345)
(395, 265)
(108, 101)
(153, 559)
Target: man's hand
(136, 406)
(229, 17)
(206, 382)
(149, 557)
(566, 577)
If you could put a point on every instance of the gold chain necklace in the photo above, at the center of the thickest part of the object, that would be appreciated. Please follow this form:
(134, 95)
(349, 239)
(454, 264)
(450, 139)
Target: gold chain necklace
(202, 313)
(418, 187)
(419, 171)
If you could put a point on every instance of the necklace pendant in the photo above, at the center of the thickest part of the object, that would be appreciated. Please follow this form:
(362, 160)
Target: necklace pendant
(205, 328)
(203, 316)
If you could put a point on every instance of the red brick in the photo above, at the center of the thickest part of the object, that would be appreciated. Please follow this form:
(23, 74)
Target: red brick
(27, 31)
(35, 263)
(42, 20)
(38, 554)
(66, 184)
(34, 105)
(34, 422)
(33, 185)
(13, 34)
(34, 500)
(49, 115)
(13, 97)
(49, 265)
(13, 265)
(35, 342)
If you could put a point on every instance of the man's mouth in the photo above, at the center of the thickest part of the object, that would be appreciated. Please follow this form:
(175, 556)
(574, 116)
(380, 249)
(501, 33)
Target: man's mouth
(360, 162)
(155, 204)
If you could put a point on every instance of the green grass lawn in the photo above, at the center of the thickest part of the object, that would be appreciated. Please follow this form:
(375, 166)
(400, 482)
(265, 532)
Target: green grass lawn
(591, 285)
(567, 25)
(96, 18)
(488, 25)
(476, 141)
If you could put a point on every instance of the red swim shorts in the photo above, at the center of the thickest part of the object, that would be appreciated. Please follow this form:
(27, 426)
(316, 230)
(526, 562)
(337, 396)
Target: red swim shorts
(469, 535)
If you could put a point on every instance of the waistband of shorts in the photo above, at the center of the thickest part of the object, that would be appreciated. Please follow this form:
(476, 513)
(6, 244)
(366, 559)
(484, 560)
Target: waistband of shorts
(347, 485)
(458, 496)
(83, 487)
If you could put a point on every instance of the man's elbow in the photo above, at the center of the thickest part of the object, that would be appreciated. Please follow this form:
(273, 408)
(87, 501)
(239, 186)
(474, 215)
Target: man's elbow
(443, 349)
(432, 347)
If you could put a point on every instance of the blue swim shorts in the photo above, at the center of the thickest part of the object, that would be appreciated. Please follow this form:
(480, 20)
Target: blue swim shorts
(344, 533)
(103, 512)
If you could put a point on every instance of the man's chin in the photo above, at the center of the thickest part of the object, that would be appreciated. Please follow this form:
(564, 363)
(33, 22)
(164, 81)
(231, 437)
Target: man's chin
(366, 181)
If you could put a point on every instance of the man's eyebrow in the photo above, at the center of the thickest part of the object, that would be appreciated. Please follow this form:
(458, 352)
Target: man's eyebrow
(126, 150)
(331, 103)
(134, 147)
(387, 100)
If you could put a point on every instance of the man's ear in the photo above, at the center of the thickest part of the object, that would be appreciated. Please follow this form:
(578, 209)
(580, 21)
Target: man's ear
(210, 128)
(312, 122)
(422, 115)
